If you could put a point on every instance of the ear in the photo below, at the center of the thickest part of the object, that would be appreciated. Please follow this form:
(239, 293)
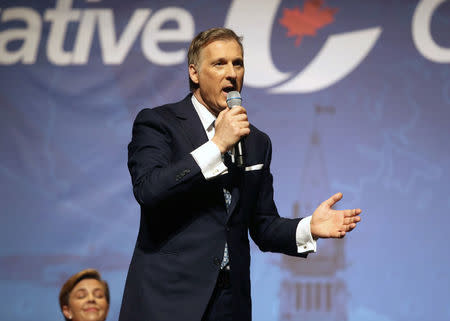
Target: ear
(67, 312)
(193, 73)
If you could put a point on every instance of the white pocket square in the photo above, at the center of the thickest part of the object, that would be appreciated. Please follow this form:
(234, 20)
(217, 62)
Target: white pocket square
(254, 167)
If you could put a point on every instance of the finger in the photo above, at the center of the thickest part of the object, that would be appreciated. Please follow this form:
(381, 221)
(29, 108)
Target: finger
(221, 116)
(349, 227)
(341, 234)
(237, 110)
(350, 220)
(244, 128)
(243, 124)
(333, 199)
(240, 117)
(245, 131)
(223, 112)
(353, 212)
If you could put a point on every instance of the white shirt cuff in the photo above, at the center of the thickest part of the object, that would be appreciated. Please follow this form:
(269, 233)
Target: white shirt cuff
(304, 239)
(209, 160)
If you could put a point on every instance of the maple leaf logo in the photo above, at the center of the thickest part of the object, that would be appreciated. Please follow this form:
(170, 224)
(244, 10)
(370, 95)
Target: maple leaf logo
(306, 23)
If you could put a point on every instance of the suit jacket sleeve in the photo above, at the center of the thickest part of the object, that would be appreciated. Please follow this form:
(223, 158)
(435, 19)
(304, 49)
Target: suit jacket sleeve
(158, 175)
(270, 231)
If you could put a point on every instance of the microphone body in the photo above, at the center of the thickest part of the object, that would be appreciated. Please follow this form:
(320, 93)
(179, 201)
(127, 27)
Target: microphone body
(234, 99)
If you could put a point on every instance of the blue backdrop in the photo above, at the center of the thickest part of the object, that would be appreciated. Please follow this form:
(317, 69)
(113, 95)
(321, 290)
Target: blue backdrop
(354, 94)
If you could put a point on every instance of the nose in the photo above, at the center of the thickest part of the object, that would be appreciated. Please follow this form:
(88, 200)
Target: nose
(231, 72)
(91, 297)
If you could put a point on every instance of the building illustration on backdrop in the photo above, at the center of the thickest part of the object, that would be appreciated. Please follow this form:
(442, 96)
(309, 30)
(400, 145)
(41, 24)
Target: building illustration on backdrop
(311, 289)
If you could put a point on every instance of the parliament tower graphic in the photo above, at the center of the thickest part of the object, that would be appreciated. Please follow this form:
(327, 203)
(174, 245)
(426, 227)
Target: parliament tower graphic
(311, 289)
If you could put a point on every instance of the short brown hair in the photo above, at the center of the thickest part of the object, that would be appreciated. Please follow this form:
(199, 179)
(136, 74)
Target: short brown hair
(74, 280)
(203, 39)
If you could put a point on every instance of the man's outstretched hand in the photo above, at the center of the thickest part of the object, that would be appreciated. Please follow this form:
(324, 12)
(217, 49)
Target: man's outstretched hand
(327, 222)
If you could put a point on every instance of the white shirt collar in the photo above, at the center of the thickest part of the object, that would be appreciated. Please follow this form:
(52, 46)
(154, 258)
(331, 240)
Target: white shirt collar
(206, 117)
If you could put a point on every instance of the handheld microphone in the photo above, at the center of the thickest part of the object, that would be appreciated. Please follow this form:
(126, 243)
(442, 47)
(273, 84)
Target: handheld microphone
(234, 99)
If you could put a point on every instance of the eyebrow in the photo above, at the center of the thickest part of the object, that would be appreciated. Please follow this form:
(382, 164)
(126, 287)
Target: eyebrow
(219, 59)
(81, 290)
(84, 289)
(238, 59)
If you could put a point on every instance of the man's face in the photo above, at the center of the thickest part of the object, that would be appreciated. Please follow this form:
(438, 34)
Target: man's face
(219, 71)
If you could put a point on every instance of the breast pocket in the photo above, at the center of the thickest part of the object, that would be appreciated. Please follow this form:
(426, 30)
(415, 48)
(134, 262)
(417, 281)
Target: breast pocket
(253, 179)
(256, 167)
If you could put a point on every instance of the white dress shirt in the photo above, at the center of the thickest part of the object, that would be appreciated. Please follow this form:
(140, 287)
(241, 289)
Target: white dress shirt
(209, 159)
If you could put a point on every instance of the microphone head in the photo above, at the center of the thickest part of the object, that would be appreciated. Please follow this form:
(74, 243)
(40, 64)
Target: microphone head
(234, 99)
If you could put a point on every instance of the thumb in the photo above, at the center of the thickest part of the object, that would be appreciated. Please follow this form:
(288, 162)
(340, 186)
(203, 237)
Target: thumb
(333, 199)
(224, 111)
(221, 115)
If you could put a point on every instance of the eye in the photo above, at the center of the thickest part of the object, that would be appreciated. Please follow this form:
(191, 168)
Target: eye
(99, 294)
(80, 294)
(220, 62)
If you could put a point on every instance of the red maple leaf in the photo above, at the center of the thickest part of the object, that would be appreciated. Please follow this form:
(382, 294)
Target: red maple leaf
(306, 23)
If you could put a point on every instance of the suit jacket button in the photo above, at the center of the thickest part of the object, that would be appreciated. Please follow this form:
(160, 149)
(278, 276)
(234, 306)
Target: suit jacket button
(216, 261)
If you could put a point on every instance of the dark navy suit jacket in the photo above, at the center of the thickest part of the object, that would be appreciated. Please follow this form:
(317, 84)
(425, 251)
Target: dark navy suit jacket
(184, 222)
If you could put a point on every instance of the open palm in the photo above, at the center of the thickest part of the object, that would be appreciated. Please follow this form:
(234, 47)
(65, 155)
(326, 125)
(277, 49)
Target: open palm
(327, 222)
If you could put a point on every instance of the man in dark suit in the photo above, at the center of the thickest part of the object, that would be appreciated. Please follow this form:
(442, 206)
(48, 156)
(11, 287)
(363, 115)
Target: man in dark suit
(192, 256)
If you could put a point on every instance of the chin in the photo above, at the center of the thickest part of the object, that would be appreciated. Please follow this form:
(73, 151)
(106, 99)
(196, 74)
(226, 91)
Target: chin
(94, 317)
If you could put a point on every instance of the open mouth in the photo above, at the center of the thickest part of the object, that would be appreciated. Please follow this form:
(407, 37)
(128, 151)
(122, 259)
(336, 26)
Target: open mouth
(227, 89)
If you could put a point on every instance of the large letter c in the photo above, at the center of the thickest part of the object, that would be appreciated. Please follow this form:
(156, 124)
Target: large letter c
(421, 32)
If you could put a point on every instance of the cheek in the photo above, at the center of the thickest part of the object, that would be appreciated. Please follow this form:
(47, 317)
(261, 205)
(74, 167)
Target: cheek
(75, 305)
(104, 305)
(213, 78)
(241, 76)
(75, 310)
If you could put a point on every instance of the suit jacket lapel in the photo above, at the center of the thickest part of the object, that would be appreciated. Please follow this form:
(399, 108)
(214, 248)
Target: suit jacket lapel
(190, 122)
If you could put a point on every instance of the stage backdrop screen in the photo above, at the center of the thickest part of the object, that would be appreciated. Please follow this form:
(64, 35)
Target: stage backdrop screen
(355, 96)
